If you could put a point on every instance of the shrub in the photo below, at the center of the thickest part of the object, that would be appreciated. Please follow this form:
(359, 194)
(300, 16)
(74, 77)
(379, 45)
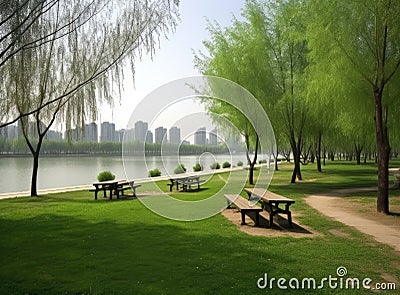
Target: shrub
(262, 161)
(197, 167)
(155, 172)
(226, 165)
(180, 169)
(105, 175)
(215, 166)
(240, 163)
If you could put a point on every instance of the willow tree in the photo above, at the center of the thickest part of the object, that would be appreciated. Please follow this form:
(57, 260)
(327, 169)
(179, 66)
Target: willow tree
(234, 53)
(362, 36)
(74, 55)
(99, 33)
(281, 26)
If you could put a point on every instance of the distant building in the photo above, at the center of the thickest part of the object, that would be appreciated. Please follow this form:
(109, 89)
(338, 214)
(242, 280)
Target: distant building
(129, 135)
(107, 131)
(91, 132)
(160, 135)
(4, 132)
(200, 136)
(141, 129)
(174, 135)
(12, 131)
(213, 137)
(31, 129)
(149, 137)
(54, 135)
(119, 135)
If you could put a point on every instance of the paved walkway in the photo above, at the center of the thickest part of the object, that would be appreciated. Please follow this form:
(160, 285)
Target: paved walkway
(333, 205)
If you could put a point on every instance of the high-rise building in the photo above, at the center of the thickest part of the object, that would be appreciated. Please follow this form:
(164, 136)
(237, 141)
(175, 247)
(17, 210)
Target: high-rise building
(129, 135)
(107, 131)
(141, 130)
(4, 132)
(91, 132)
(174, 135)
(200, 136)
(54, 135)
(12, 132)
(149, 136)
(160, 135)
(213, 137)
(119, 135)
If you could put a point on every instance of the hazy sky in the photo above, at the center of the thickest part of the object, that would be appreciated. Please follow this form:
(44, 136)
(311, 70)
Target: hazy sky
(174, 58)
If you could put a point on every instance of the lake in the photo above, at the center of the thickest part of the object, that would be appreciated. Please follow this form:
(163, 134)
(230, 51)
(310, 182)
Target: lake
(63, 171)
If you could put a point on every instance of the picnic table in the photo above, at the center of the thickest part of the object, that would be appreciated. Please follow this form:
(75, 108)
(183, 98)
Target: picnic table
(270, 202)
(114, 187)
(185, 182)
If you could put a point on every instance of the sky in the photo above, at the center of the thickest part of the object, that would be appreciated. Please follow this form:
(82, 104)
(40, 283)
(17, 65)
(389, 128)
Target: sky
(173, 59)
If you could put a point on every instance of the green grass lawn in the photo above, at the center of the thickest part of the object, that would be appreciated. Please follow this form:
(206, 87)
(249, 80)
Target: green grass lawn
(68, 243)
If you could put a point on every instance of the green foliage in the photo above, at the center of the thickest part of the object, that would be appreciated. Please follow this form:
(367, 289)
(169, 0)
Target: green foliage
(215, 165)
(155, 172)
(226, 165)
(197, 167)
(262, 161)
(240, 163)
(105, 175)
(71, 226)
(180, 169)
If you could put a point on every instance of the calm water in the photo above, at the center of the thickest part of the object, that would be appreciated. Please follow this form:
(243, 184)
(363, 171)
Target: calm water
(56, 172)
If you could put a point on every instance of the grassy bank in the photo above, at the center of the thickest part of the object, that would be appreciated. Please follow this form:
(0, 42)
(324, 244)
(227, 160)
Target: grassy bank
(69, 243)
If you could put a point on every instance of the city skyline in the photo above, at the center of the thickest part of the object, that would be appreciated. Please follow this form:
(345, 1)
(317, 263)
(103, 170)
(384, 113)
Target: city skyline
(106, 131)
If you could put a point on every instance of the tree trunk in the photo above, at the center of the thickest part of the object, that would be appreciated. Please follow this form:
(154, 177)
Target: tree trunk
(296, 158)
(319, 152)
(358, 149)
(35, 169)
(34, 174)
(276, 162)
(383, 151)
(252, 163)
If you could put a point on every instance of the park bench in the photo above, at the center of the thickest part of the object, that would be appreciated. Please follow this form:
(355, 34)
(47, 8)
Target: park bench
(116, 187)
(270, 202)
(244, 206)
(186, 182)
(122, 186)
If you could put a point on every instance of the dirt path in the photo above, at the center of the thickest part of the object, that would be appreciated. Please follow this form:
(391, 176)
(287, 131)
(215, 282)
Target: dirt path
(384, 229)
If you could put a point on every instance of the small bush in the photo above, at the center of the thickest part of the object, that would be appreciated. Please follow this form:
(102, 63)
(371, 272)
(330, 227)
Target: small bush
(155, 172)
(262, 161)
(197, 167)
(240, 163)
(215, 166)
(105, 176)
(180, 169)
(226, 165)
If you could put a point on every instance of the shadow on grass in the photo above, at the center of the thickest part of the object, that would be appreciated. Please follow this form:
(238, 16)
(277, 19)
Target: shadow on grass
(280, 223)
(120, 254)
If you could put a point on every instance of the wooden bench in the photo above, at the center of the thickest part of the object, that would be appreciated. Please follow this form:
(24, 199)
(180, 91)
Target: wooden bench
(244, 207)
(126, 185)
(104, 186)
(270, 202)
(186, 182)
(114, 187)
